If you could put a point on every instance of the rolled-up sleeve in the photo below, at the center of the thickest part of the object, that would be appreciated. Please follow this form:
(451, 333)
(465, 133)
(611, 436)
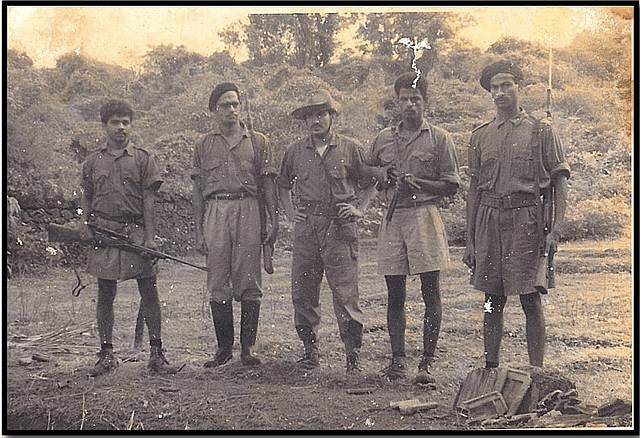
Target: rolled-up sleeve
(285, 178)
(449, 168)
(554, 159)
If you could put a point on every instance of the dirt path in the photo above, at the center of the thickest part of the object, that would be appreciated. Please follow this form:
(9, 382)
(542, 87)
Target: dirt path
(589, 331)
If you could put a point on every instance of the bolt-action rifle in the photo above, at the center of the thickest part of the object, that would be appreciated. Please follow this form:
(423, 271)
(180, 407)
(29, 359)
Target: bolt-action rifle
(106, 237)
(267, 248)
(545, 278)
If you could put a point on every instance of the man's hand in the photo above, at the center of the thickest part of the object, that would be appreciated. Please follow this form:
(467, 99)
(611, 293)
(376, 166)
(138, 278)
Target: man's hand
(272, 234)
(298, 216)
(85, 233)
(150, 242)
(346, 211)
(551, 242)
(380, 174)
(469, 257)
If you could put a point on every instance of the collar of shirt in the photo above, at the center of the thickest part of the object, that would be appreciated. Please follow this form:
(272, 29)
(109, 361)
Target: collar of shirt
(333, 141)
(245, 131)
(517, 119)
(423, 127)
(128, 149)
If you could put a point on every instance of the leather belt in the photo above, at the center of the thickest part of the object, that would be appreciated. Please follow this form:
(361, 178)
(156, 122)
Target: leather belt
(410, 204)
(228, 196)
(121, 219)
(318, 208)
(517, 200)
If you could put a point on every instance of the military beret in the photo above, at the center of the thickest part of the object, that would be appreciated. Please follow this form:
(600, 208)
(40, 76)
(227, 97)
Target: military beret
(219, 91)
(407, 80)
(502, 66)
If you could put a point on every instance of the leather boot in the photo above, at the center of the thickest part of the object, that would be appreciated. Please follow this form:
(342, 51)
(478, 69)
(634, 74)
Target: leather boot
(159, 364)
(250, 315)
(106, 362)
(353, 361)
(311, 358)
(222, 315)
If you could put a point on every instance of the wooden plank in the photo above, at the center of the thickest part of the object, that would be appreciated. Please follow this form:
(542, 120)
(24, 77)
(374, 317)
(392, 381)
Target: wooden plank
(514, 388)
(489, 405)
(479, 381)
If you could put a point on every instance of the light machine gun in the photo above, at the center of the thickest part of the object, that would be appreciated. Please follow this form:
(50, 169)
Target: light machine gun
(106, 237)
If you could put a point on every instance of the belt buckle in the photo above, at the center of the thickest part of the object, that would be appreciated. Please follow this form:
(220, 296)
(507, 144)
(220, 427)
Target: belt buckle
(506, 202)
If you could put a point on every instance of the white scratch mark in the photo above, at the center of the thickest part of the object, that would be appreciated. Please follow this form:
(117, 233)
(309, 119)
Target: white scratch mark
(488, 308)
(415, 46)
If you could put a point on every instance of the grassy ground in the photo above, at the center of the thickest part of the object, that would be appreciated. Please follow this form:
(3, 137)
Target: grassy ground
(589, 331)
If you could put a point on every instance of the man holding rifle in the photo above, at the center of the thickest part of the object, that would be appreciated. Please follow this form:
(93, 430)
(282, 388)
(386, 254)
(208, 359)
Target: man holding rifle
(420, 166)
(119, 182)
(232, 169)
(512, 160)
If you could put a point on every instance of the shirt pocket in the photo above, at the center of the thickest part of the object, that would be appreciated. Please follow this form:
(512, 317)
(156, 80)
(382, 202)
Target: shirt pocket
(338, 172)
(131, 182)
(424, 164)
(214, 170)
(522, 165)
(101, 183)
(488, 172)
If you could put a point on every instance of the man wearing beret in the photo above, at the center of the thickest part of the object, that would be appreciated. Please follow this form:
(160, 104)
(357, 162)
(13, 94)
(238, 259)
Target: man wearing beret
(413, 240)
(508, 157)
(230, 166)
(326, 169)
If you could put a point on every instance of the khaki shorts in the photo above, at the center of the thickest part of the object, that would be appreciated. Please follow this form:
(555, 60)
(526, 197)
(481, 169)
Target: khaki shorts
(413, 242)
(506, 250)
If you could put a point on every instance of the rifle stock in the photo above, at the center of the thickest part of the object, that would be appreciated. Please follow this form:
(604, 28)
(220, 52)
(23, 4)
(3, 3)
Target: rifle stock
(106, 237)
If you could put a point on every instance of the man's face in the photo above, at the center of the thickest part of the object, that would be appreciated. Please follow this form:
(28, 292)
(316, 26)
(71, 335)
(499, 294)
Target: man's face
(117, 129)
(319, 122)
(411, 103)
(228, 108)
(504, 91)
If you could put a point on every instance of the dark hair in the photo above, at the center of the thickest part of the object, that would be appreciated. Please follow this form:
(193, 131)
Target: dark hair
(115, 108)
(406, 80)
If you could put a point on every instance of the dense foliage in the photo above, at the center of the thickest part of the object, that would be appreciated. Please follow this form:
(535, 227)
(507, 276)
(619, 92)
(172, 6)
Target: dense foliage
(52, 114)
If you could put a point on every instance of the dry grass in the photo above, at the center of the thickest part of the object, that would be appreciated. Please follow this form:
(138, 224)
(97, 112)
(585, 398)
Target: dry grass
(589, 320)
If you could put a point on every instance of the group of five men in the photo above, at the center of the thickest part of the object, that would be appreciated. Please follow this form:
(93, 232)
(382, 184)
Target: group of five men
(412, 165)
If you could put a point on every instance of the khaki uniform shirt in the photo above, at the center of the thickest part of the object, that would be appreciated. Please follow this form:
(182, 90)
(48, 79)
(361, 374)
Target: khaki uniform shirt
(115, 180)
(339, 172)
(501, 156)
(230, 170)
(428, 154)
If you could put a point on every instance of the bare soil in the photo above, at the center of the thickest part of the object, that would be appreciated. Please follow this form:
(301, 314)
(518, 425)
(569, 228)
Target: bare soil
(52, 341)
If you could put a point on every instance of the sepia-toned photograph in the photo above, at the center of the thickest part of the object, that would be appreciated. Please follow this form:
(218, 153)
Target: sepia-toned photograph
(306, 219)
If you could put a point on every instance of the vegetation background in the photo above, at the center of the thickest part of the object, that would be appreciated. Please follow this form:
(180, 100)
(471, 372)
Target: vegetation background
(52, 116)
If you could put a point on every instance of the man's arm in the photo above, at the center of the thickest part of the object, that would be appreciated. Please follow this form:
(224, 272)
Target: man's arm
(560, 189)
(441, 188)
(198, 214)
(271, 201)
(290, 212)
(473, 203)
(149, 217)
